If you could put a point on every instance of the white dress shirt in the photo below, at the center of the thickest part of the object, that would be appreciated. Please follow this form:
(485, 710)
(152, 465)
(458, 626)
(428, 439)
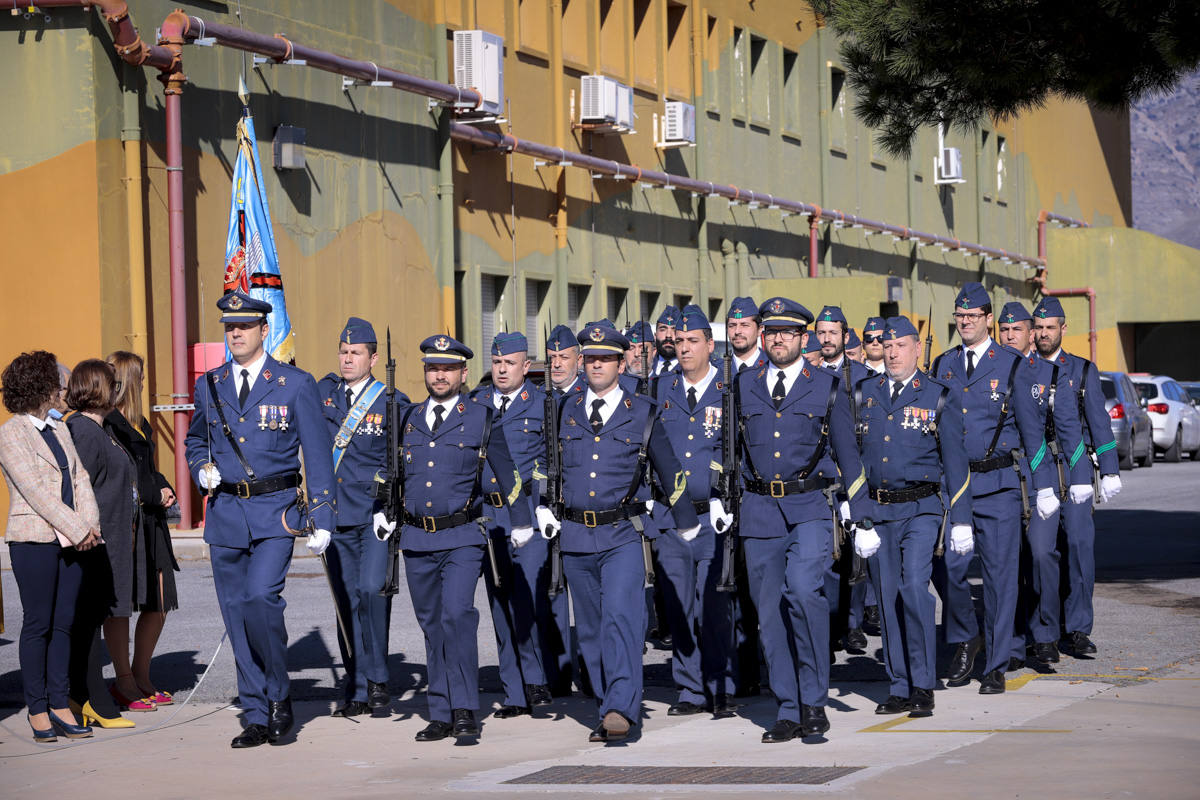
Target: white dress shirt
(700, 386)
(512, 397)
(41, 422)
(790, 373)
(357, 387)
(446, 404)
(903, 383)
(610, 400)
(253, 369)
(748, 363)
(980, 350)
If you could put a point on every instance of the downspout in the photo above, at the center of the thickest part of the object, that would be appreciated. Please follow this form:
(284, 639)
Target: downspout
(560, 180)
(1040, 279)
(698, 73)
(814, 242)
(730, 266)
(824, 96)
(131, 136)
(445, 189)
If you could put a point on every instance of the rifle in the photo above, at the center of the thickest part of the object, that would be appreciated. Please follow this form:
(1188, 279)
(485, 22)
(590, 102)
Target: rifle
(928, 341)
(552, 491)
(857, 567)
(392, 488)
(729, 484)
(645, 381)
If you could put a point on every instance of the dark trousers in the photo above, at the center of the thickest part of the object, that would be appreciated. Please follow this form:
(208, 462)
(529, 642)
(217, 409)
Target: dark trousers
(97, 596)
(900, 573)
(357, 563)
(48, 578)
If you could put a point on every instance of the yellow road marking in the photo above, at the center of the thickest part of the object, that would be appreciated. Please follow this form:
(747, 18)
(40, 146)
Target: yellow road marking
(1013, 684)
(891, 727)
(891, 723)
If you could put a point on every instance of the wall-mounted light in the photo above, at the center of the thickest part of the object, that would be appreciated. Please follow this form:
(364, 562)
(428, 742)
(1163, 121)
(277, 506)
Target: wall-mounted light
(289, 147)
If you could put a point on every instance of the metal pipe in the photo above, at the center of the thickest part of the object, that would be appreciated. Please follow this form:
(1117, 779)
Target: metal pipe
(561, 294)
(131, 136)
(1090, 293)
(444, 269)
(814, 244)
(1044, 217)
(126, 41)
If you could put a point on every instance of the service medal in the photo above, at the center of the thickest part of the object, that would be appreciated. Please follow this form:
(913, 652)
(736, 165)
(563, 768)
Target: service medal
(262, 412)
(274, 423)
(283, 420)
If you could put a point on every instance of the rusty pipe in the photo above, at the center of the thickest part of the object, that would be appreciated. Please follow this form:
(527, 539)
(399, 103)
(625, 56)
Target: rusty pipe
(1044, 217)
(814, 246)
(1090, 293)
(126, 40)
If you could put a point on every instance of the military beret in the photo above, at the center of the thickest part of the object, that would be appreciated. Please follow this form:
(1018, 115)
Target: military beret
(831, 314)
(605, 322)
(742, 308)
(640, 332)
(1049, 307)
(898, 327)
(852, 340)
(972, 295)
(241, 307)
(1014, 312)
(780, 312)
(505, 343)
(358, 331)
(693, 318)
(600, 340)
(445, 349)
(669, 316)
(561, 338)
(874, 325)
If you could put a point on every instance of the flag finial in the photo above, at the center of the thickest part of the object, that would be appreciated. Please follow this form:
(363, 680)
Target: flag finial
(243, 91)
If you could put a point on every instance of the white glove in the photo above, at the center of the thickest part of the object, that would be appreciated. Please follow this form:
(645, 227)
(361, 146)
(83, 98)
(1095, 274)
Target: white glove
(1047, 503)
(866, 542)
(720, 520)
(209, 476)
(1080, 492)
(318, 540)
(962, 540)
(521, 536)
(1110, 487)
(687, 534)
(650, 507)
(383, 528)
(844, 511)
(547, 523)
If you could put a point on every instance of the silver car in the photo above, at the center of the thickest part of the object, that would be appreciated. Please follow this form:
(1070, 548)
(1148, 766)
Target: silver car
(1131, 425)
(1176, 420)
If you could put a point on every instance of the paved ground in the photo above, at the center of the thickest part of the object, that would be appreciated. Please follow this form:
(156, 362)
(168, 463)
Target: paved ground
(1122, 724)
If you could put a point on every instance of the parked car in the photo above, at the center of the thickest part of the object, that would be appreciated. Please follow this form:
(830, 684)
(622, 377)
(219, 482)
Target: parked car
(1193, 390)
(1131, 424)
(1176, 420)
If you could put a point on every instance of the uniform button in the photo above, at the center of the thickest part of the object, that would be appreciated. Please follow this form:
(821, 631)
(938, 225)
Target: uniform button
(597, 438)
(431, 444)
(431, 463)
(429, 504)
(241, 419)
(687, 455)
(591, 474)
(776, 434)
(778, 415)
(591, 494)
(889, 416)
(777, 454)
(690, 437)
(777, 475)
(595, 456)
(242, 439)
(493, 480)
(887, 438)
(687, 472)
(428, 484)
(339, 480)
(966, 389)
(691, 419)
(885, 459)
(964, 411)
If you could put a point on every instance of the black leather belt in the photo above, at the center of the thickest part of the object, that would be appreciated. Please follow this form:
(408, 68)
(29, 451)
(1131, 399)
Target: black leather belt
(593, 519)
(496, 500)
(992, 464)
(784, 488)
(908, 494)
(435, 524)
(246, 489)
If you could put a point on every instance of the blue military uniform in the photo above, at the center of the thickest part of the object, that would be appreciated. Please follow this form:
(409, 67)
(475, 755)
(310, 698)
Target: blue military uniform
(874, 327)
(1084, 380)
(660, 366)
(442, 535)
(252, 519)
(563, 338)
(698, 615)
(604, 496)
(791, 446)
(357, 559)
(524, 571)
(637, 333)
(912, 444)
(1001, 414)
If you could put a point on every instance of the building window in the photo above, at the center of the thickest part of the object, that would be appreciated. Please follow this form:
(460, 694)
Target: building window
(679, 52)
(536, 293)
(575, 31)
(645, 43)
(616, 305)
(712, 88)
(577, 295)
(714, 308)
(1001, 168)
(682, 300)
(612, 39)
(791, 92)
(837, 108)
(760, 81)
(649, 301)
(491, 299)
(737, 74)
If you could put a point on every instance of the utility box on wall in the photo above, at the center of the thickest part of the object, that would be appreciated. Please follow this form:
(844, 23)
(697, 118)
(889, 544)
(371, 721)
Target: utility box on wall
(479, 65)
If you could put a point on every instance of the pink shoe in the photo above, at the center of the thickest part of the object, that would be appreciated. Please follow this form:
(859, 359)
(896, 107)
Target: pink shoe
(162, 698)
(143, 704)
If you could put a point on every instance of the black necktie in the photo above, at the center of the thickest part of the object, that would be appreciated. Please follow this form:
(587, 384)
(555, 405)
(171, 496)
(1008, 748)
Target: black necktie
(691, 398)
(504, 404)
(64, 466)
(779, 392)
(896, 387)
(244, 392)
(741, 367)
(349, 398)
(970, 362)
(438, 412)
(595, 418)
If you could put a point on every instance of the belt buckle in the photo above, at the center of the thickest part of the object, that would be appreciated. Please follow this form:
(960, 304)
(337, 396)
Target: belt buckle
(429, 524)
(243, 489)
(883, 496)
(589, 519)
(496, 499)
(777, 489)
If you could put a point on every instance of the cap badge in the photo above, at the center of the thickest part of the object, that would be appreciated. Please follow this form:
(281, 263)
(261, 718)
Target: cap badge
(597, 335)
(235, 302)
(441, 343)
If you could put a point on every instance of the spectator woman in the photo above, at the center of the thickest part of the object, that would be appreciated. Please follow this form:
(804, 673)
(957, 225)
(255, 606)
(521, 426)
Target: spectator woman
(52, 520)
(107, 589)
(154, 559)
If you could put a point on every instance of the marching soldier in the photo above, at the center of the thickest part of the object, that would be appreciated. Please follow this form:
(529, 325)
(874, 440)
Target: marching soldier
(253, 416)
(523, 567)
(562, 361)
(912, 441)
(638, 357)
(854, 350)
(664, 342)
(1015, 328)
(998, 393)
(872, 337)
(743, 328)
(698, 615)
(1050, 322)
(607, 437)
(355, 412)
(792, 413)
(446, 442)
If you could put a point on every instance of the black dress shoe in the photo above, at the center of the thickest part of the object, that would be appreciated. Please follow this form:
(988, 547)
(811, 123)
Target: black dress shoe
(539, 695)
(1045, 652)
(921, 703)
(856, 639)
(508, 712)
(724, 706)
(1014, 664)
(962, 663)
(279, 719)
(784, 731)
(377, 695)
(435, 731)
(464, 722)
(598, 734)
(252, 736)
(684, 708)
(871, 617)
(992, 683)
(353, 708)
(813, 720)
(894, 705)
(1081, 645)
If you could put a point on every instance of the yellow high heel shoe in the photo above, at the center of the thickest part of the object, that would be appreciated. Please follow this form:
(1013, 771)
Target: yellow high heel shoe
(90, 717)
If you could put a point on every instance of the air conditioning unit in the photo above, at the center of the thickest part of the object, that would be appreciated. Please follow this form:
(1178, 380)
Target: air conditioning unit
(607, 103)
(479, 65)
(679, 123)
(948, 167)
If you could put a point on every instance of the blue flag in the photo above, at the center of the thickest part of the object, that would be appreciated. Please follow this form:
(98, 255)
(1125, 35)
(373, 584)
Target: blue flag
(251, 260)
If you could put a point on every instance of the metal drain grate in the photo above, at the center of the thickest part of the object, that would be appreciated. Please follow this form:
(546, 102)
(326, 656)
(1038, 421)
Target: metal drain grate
(707, 776)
